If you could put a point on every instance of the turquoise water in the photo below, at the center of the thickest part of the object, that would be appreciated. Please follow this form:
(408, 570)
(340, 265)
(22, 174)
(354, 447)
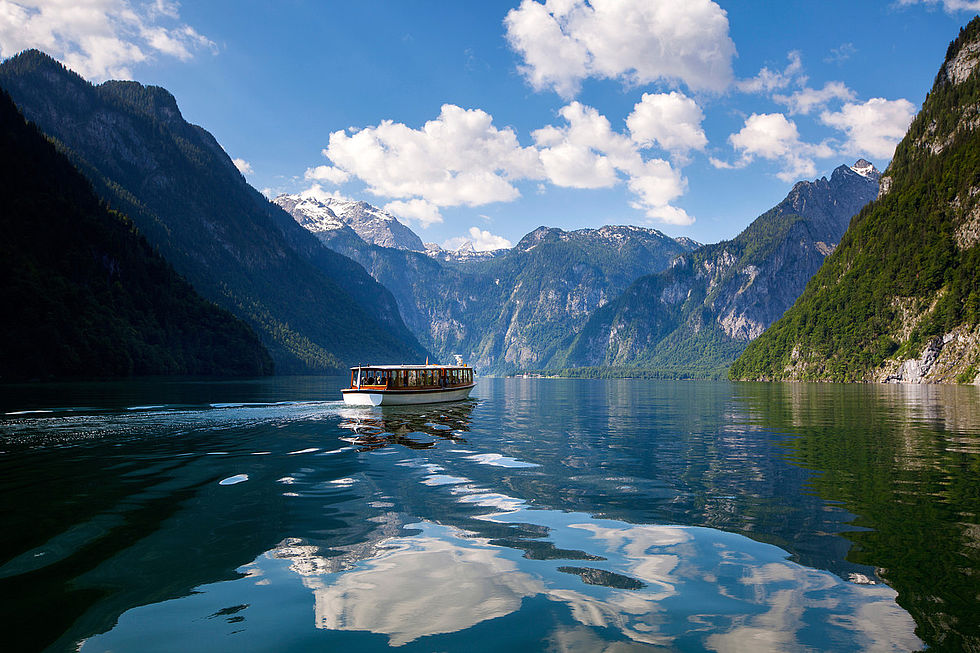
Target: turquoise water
(569, 515)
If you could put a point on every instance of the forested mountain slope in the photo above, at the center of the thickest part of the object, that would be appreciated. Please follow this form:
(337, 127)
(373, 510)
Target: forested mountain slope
(83, 294)
(696, 317)
(900, 298)
(315, 310)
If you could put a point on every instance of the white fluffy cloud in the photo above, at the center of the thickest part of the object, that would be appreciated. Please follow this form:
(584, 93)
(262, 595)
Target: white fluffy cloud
(98, 38)
(459, 158)
(670, 120)
(481, 239)
(563, 42)
(588, 153)
(423, 212)
(773, 137)
(807, 99)
(326, 173)
(873, 128)
(949, 6)
(243, 166)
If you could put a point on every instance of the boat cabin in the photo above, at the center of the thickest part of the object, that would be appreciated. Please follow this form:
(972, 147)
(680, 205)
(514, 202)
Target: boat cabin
(410, 377)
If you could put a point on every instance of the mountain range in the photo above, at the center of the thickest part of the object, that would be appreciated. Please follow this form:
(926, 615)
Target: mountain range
(328, 281)
(505, 310)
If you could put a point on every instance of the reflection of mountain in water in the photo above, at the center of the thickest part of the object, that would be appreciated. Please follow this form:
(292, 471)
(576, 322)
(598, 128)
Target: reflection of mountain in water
(904, 460)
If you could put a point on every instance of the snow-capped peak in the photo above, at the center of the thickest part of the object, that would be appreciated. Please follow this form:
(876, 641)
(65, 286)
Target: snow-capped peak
(866, 169)
(372, 224)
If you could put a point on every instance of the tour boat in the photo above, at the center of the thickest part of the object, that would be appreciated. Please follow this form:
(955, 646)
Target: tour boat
(398, 385)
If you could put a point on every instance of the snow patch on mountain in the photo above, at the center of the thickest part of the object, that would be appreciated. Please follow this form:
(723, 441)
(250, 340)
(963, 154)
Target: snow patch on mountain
(372, 224)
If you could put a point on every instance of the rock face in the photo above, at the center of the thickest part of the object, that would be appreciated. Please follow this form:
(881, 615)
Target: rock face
(700, 314)
(186, 196)
(899, 300)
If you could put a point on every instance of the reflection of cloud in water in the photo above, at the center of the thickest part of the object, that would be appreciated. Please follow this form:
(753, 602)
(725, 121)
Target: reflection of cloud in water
(726, 590)
(435, 583)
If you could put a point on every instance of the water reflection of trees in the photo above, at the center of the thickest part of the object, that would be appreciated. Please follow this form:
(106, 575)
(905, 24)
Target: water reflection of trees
(906, 461)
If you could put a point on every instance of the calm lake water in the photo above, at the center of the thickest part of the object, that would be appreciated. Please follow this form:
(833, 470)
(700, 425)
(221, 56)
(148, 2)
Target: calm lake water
(567, 515)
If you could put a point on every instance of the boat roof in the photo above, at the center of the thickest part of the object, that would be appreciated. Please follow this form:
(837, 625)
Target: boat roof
(430, 366)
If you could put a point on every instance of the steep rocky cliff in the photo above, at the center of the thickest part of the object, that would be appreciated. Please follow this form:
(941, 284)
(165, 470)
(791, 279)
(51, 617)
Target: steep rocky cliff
(700, 314)
(899, 301)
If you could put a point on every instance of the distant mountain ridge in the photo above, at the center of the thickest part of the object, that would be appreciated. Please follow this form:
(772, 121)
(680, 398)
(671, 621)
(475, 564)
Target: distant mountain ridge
(371, 224)
(84, 294)
(899, 300)
(509, 308)
(699, 315)
(315, 310)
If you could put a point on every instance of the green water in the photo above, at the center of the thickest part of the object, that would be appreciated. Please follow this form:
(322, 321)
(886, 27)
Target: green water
(567, 515)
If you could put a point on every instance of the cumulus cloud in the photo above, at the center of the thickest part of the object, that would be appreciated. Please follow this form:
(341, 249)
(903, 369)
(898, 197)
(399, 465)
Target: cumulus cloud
(423, 212)
(326, 173)
(873, 128)
(806, 99)
(243, 166)
(98, 39)
(950, 6)
(459, 158)
(773, 137)
(481, 239)
(669, 120)
(563, 42)
(588, 153)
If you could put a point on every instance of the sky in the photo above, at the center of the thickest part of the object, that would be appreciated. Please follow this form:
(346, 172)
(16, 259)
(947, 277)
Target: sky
(484, 120)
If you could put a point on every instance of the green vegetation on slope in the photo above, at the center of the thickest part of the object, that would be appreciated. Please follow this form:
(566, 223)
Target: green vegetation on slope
(899, 256)
(84, 294)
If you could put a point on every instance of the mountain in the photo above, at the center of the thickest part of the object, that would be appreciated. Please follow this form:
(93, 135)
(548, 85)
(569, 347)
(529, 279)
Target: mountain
(314, 310)
(371, 224)
(506, 309)
(697, 316)
(85, 295)
(899, 300)
(465, 253)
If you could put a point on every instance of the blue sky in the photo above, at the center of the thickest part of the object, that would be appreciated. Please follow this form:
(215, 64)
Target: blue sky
(487, 119)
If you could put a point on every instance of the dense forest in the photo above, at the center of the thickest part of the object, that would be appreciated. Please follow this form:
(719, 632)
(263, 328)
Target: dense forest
(84, 294)
(908, 269)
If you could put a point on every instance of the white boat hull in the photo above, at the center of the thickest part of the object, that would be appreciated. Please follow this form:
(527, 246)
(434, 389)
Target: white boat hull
(404, 397)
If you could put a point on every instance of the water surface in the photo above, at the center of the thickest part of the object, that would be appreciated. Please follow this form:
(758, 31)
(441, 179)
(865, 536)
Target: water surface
(542, 514)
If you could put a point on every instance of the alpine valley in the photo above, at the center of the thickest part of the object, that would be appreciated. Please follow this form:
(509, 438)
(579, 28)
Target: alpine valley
(811, 289)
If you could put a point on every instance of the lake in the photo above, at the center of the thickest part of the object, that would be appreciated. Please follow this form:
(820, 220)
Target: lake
(543, 514)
